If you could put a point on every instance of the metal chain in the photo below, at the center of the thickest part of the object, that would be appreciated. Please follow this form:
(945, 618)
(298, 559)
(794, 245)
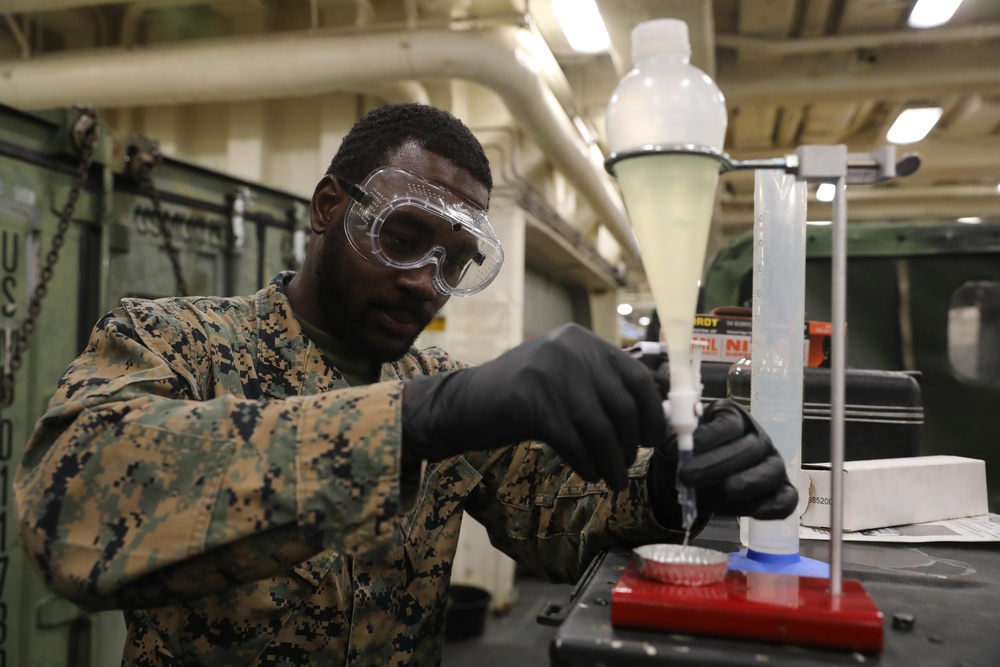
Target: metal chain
(142, 157)
(86, 131)
(168, 239)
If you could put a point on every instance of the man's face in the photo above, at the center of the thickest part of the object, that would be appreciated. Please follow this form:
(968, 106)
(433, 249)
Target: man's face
(377, 309)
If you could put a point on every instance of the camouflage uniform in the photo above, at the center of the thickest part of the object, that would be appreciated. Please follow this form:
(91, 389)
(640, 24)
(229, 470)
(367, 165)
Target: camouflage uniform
(205, 468)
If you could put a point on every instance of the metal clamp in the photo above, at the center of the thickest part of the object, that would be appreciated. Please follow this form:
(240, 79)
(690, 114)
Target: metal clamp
(142, 157)
(808, 163)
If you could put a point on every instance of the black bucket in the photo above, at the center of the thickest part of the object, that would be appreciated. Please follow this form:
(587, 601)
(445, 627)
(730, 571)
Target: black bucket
(467, 606)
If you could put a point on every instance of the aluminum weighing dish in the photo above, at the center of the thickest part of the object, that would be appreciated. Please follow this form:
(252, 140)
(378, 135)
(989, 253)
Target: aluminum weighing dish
(681, 565)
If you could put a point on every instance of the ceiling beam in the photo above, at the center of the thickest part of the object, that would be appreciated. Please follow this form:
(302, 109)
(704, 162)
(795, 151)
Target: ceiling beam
(805, 80)
(788, 47)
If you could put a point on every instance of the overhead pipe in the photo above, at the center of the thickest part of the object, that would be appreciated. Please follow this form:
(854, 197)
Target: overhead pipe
(44, 6)
(506, 59)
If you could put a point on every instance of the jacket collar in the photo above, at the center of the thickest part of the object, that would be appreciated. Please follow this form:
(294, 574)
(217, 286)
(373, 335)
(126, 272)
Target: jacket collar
(284, 351)
(281, 345)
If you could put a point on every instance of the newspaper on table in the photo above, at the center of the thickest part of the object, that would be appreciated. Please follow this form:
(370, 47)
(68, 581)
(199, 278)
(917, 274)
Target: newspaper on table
(983, 528)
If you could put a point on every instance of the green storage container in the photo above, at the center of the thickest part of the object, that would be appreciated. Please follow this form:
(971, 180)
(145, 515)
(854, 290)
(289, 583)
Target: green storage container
(230, 237)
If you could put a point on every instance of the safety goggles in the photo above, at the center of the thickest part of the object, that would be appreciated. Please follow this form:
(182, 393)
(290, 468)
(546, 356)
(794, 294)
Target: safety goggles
(398, 219)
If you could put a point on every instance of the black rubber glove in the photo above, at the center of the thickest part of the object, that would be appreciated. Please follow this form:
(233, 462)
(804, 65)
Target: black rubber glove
(735, 470)
(579, 394)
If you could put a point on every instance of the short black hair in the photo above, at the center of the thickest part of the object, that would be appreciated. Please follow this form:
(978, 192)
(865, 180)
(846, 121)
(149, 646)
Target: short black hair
(384, 129)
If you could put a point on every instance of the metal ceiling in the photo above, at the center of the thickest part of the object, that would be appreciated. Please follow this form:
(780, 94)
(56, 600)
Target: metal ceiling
(793, 72)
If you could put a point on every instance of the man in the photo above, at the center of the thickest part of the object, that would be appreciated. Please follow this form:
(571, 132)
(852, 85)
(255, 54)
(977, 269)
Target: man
(280, 478)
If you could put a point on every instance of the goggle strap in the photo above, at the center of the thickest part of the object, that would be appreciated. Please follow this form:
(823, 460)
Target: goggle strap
(353, 191)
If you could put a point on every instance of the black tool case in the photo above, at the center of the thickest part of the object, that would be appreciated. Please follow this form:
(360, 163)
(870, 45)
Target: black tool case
(883, 414)
(883, 411)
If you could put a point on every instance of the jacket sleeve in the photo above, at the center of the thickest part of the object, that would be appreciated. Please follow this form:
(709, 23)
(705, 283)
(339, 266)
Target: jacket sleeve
(542, 514)
(140, 488)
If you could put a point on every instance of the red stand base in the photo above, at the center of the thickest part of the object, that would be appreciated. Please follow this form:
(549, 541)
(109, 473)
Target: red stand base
(752, 605)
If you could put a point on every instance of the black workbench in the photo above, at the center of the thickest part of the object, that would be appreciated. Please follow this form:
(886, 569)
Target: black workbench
(951, 592)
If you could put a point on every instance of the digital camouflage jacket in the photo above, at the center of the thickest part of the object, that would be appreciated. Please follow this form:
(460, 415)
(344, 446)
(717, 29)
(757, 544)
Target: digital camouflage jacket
(205, 468)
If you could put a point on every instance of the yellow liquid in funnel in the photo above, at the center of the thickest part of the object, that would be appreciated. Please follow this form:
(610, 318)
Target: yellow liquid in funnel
(670, 200)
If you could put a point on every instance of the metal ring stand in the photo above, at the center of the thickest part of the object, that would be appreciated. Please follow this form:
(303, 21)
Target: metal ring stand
(825, 164)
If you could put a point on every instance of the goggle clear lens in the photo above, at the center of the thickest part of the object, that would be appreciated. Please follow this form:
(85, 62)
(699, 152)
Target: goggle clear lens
(402, 221)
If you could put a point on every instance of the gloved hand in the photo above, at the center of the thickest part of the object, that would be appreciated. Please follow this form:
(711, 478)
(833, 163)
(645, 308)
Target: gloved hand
(577, 393)
(735, 469)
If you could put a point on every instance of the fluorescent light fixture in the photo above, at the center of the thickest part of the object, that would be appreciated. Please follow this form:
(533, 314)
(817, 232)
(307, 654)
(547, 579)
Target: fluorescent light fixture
(819, 222)
(582, 24)
(644, 321)
(913, 125)
(971, 220)
(932, 13)
(624, 308)
(826, 192)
